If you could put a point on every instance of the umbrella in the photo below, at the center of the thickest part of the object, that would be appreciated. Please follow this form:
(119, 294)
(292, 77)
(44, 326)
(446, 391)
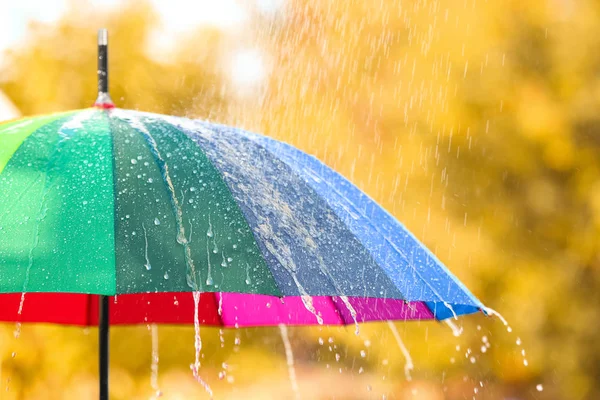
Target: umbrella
(110, 215)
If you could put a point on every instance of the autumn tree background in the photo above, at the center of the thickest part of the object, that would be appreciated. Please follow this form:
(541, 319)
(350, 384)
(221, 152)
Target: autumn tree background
(474, 122)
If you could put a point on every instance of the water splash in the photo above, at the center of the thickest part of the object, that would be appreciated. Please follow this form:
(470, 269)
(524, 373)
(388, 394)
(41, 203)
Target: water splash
(408, 366)
(220, 308)
(198, 347)
(154, 366)
(449, 307)
(209, 279)
(248, 281)
(456, 331)
(289, 355)
(495, 313)
(352, 313)
(147, 265)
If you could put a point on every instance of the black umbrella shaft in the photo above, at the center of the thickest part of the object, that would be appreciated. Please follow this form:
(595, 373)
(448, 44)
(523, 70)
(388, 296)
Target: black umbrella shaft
(103, 346)
(102, 61)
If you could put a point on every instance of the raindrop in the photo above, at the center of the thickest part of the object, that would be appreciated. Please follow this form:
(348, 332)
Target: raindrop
(147, 264)
(198, 347)
(363, 353)
(14, 354)
(133, 161)
(156, 221)
(166, 276)
(408, 366)
(154, 366)
(289, 355)
(456, 331)
(150, 180)
(539, 387)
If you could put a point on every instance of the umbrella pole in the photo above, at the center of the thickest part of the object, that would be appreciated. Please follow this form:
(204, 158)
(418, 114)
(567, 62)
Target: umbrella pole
(103, 100)
(103, 346)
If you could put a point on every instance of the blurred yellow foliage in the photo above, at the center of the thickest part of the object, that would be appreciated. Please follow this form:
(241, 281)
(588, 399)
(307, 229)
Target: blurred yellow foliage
(475, 123)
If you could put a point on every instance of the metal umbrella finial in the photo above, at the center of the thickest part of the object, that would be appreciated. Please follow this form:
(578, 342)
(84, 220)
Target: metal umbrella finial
(103, 100)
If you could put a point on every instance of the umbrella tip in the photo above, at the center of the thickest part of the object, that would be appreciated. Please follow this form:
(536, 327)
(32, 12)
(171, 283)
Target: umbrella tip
(102, 37)
(103, 100)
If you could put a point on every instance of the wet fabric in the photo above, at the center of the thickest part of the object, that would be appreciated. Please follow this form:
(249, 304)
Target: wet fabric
(116, 202)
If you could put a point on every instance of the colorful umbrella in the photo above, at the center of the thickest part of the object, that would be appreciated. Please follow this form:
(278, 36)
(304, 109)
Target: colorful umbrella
(141, 211)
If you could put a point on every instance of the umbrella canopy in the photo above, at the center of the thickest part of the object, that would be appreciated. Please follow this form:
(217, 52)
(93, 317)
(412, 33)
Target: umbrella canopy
(183, 221)
(115, 202)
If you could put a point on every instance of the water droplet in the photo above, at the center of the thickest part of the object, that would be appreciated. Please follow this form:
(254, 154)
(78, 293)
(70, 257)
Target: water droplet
(337, 357)
(156, 221)
(539, 387)
(14, 354)
(190, 201)
(363, 353)
(321, 341)
(518, 341)
(133, 161)
(166, 276)
(150, 180)
(192, 189)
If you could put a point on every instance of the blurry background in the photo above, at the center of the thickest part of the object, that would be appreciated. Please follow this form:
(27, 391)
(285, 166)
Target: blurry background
(474, 122)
